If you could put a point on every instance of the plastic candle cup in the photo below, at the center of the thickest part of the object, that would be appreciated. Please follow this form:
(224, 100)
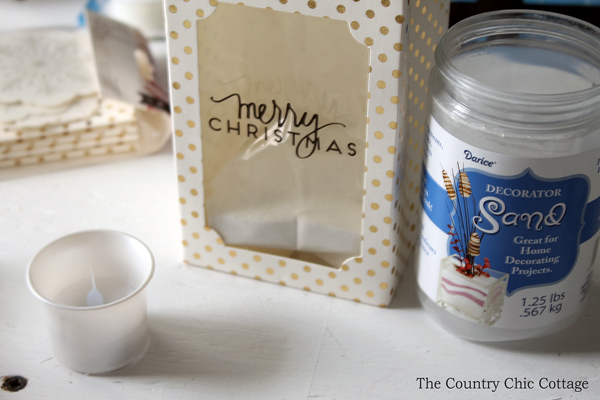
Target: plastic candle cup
(97, 266)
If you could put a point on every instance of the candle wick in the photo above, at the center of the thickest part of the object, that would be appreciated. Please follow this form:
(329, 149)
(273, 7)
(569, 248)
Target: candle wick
(93, 279)
(94, 297)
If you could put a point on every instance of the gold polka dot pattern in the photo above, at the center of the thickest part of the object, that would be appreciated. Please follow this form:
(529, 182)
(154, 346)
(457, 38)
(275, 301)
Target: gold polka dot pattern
(381, 25)
(426, 27)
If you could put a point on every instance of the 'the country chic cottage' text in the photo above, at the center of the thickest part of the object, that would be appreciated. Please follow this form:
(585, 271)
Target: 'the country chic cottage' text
(510, 383)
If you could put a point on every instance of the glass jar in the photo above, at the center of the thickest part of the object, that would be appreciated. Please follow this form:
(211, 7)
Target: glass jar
(510, 192)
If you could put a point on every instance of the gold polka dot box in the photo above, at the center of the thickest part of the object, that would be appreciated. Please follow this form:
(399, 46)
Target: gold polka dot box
(298, 129)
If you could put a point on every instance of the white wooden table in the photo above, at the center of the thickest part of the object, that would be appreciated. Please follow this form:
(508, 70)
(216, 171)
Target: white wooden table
(219, 336)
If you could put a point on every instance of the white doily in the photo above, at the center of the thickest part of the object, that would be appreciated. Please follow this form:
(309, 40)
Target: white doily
(9, 113)
(79, 109)
(46, 68)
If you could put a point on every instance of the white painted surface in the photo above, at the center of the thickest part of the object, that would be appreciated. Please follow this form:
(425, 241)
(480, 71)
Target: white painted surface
(218, 336)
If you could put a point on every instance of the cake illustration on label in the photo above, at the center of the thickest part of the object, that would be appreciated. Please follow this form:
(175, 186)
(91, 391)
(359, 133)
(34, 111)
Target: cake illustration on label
(465, 288)
(478, 298)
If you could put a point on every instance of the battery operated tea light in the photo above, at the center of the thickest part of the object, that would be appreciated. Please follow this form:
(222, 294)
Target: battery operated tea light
(510, 189)
(92, 286)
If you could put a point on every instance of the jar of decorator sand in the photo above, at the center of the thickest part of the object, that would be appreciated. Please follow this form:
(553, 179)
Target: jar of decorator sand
(511, 177)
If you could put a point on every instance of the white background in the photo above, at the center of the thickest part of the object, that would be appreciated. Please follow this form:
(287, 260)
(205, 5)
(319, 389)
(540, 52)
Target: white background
(218, 336)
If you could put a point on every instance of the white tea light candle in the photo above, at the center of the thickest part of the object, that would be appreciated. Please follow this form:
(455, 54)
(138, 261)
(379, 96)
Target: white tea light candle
(85, 337)
(510, 188)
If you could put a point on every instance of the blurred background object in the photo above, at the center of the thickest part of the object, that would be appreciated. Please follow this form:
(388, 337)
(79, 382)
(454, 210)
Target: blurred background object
(29, 14)
(587, 10)
(75, 96)
(145, 15)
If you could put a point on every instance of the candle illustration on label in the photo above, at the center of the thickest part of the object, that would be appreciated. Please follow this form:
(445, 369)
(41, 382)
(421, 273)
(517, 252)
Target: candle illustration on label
(465, 288)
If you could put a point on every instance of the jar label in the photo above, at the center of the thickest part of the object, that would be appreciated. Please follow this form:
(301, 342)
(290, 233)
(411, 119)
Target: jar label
(507, 241)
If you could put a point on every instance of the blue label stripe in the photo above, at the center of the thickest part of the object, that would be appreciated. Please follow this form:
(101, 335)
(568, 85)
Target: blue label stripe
(432, 193)
(592, 220)
(433, 199)
(529, 227)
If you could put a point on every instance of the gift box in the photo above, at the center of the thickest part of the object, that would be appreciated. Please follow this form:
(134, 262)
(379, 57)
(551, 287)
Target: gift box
(292, 124)
(71, 97)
